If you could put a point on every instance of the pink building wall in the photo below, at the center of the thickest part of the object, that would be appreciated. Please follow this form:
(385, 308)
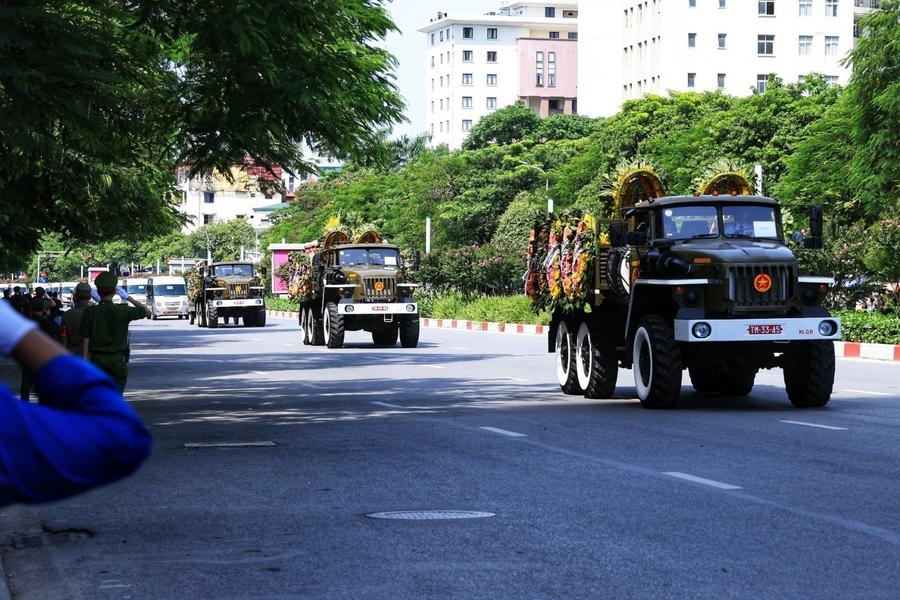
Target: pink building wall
(566, 67)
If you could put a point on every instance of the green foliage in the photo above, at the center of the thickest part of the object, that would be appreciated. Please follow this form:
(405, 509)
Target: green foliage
(518, 220)
(494, 309)
(874, 94)
(488, 269)
(869, 327)
(510, 124)
(564, 127)
(277, 303)
(103, 100)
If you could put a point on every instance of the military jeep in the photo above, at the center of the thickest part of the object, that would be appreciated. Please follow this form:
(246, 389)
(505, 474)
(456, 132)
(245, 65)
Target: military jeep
(230, 290)
(360, 287)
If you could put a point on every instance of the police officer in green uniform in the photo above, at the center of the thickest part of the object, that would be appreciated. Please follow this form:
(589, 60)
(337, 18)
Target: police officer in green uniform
(104, 328)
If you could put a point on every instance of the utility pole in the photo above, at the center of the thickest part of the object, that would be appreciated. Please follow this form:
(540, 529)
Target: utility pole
(427, 235)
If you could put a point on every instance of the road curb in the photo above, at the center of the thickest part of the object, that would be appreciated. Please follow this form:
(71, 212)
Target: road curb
(887, 352)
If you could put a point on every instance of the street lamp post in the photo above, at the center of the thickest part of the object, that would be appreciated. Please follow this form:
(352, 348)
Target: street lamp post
(546, 183)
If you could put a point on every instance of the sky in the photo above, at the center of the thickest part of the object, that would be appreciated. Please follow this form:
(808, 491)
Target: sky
(408, 46)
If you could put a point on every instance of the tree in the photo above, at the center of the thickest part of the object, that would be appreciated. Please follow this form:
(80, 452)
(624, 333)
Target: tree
(510, 124)
(874, 92)
(565, 127)
(101, 101)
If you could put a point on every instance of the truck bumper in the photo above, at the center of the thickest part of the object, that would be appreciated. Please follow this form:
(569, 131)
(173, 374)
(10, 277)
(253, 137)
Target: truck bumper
(758, 330)
(249, 302)
(386, 308)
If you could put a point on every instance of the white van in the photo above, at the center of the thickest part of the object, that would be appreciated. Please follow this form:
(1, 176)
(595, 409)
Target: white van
(167, 297)
(137, 287)
(66, 291)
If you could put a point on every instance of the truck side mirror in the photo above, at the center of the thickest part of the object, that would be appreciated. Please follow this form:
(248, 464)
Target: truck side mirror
(814, 240)
(636, 238)
(617, 234)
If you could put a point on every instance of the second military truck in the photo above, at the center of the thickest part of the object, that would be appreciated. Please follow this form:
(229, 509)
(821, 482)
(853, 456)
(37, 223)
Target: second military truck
(229, 290)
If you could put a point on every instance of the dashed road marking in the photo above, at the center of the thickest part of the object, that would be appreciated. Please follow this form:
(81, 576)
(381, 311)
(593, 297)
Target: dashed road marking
(867, 392)
(503, 432)
(387, 404)
(702, 480)
(433, 366)
(815, 425)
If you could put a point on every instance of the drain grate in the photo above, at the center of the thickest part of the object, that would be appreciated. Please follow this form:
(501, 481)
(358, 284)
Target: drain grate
(430, 515)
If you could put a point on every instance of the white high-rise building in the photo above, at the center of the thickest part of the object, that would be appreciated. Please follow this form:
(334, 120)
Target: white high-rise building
(476, 64)
(631, 47)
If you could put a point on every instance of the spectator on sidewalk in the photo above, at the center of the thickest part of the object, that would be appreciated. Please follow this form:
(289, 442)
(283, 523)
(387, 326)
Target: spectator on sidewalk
(81, 435)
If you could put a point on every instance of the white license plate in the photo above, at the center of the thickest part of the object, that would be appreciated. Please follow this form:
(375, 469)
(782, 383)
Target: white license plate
(238, 302)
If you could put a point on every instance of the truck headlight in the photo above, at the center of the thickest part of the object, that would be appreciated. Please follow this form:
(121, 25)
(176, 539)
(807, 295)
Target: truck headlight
(349, 308)
(410, 308)
(701, 330)
(827, 328)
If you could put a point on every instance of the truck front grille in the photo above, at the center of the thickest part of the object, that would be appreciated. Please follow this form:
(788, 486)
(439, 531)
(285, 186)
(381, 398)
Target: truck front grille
(238, 290)
(742, 291)
(387, 285)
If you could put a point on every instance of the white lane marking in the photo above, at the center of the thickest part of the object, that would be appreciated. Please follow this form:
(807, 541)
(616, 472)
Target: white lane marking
(518, 379)
(867, 392)
(114, 586)
(709, 482)
(387, 404)
(259, 372)
(815, 425)
(503, 432)
(200, 445)
(433, 366)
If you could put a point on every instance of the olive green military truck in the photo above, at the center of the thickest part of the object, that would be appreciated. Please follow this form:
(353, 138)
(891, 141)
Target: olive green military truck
(228, 290)
(704, 283)
(357, 287)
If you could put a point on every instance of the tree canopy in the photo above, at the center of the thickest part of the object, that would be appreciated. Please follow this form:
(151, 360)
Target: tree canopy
(101, 101)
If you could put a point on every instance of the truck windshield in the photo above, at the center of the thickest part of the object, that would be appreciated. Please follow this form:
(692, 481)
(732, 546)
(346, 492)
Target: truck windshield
(379, 257)
(137, 288)
(687, 222)
(233, 270)
(748, 221)
(67, 289)
(169, 289)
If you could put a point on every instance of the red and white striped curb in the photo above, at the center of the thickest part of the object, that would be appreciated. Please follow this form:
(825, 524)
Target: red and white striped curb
(841, 349)
(860, 350)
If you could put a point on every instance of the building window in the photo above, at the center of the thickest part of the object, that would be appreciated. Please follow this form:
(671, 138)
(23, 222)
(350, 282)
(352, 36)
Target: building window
(549, 12)
(432, 106)
(692, 40)
(554, 35)
(720, 81)
(831, 45)
(441, 103)
(442, 80)
(467, 55)
(467, 101)
(492, 56)
(553, 104)
(761, 81)
(466, 124)
(721, 3)
(765, 45)
(551, 69)
(831, 8)
(209, 197)
(491, 79)
(692, 79)
(692, 3)
(207, 219)
(766, 8)
(492, 33)
(572, 35)
(805, 8)
(442, 36)
(539, 69)
(491, 102)
(467, 79)
(432, 61)
(441, 127)
(831, 80)
(722, 38)
(805, 42)
(432, 39)
(468, 33)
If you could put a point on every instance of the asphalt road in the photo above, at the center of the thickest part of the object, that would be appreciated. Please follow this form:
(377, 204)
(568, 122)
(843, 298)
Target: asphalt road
(723, 498)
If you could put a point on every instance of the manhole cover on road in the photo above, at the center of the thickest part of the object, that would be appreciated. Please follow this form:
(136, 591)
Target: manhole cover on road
(430, 515)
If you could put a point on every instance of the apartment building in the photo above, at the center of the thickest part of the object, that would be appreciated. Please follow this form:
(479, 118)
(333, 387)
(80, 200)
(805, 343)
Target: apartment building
(632, 47)
(476, 64)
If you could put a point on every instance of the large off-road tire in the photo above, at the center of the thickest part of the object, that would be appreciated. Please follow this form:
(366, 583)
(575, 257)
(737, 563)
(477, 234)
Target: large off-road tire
(261, 317)
(249, 318)
(385, 337)
(305, 324)
(317, 329)
(737, 381)
(566, 374)
(334, 326)
(657, 362)
(212, 316)
(704, 379)
(409, 332)
(809, 373)
(595, 362)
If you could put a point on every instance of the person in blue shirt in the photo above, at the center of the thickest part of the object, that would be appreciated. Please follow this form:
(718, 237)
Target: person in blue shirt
(82, 433)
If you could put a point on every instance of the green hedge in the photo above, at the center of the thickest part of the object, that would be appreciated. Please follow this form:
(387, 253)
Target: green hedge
(273, 303)
(495, 309)
(871, 327)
